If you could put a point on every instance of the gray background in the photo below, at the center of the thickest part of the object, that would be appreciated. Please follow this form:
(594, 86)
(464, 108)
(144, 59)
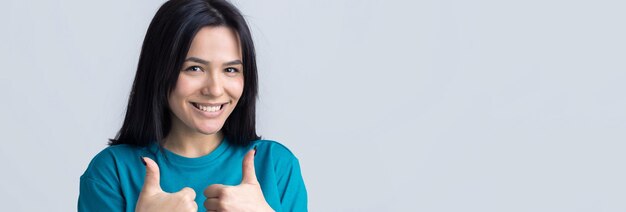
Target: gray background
(390, 105)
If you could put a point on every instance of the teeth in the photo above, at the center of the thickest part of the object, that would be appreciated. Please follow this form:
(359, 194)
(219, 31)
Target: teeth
(207, 108)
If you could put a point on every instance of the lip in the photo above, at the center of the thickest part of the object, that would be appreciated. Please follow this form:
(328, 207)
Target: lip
(210, 104)
(208, 114)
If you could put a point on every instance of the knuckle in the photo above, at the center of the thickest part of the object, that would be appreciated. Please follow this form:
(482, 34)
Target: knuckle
(226, 192)
(213, 187)
(206, 204)
(222, 206)
(189, 192)
(191, 206)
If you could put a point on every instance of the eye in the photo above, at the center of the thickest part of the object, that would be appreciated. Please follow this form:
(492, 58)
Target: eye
(231, 70)
(194, 68)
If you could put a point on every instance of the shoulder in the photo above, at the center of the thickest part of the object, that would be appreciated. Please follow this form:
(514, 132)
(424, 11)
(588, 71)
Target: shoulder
(116, 153)
(106, 163)
(276, 155)
(273, 148)
(286, 175)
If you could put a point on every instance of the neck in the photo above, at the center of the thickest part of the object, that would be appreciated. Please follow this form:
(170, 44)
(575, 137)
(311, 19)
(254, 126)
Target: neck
(192, 144)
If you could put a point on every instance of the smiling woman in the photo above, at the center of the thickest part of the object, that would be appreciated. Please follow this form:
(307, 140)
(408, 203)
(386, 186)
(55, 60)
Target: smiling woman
(189, 141)
(208, 89)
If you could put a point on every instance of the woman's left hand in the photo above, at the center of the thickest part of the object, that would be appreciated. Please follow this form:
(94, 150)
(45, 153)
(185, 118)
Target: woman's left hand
(246, 196)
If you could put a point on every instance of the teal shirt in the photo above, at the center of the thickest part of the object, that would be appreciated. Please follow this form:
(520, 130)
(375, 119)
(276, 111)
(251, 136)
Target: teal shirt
(115, 176)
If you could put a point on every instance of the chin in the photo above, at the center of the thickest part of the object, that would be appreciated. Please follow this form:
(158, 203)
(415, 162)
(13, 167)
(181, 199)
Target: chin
(209, 129)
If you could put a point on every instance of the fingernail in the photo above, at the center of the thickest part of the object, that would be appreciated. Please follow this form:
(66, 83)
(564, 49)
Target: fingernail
(142, 160)
(254, 150)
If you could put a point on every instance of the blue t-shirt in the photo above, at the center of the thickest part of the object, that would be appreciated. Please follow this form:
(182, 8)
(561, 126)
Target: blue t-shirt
(115, 176)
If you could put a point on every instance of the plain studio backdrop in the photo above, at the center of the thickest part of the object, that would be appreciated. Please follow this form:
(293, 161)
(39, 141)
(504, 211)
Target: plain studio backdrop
(427, 105)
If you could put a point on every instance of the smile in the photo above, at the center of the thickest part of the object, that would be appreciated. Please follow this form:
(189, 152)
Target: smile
(208, 107)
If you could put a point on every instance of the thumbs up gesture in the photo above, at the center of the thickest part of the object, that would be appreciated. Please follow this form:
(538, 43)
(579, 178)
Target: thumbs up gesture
(152, 198)
(246, 196)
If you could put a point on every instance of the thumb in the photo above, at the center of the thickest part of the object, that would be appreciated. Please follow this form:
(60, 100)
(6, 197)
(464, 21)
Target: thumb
(152, 181)
(248, 172)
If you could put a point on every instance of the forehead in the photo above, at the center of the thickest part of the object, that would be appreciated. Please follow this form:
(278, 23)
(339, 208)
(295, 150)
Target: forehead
(215, 43)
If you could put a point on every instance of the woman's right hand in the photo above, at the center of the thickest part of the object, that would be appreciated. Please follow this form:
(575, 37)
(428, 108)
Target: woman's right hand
(152, 198)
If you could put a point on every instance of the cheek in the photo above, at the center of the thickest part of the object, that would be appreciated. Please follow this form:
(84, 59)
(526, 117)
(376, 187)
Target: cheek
(186, 84)
(184, 87)
(235, 87)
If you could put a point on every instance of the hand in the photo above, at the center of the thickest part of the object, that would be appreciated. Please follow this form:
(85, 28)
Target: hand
(153, 198)
(246, 196)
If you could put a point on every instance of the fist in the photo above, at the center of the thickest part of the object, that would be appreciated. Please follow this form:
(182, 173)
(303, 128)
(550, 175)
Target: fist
(246, 196)
(152, 198)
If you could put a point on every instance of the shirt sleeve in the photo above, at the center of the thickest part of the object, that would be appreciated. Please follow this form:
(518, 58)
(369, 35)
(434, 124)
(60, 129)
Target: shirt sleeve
(100, 188)
(96, 196)
(293, 194)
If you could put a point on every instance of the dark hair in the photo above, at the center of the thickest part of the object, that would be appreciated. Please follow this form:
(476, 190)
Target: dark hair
(163, 52)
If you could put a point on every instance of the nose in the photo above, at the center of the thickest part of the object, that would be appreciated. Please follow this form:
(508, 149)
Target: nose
(213, 85)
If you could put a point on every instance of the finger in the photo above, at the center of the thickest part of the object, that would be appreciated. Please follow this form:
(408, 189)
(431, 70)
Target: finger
(151, 183)
(214, 191)
(212, 204)
(248, 172)
(188, 193)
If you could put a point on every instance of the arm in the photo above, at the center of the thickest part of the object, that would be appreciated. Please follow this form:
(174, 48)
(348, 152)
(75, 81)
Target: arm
(293, 190)
(99, 186)
(97, 196)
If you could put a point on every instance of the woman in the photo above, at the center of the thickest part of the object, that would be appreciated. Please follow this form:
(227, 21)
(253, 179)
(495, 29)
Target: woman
(188, 141)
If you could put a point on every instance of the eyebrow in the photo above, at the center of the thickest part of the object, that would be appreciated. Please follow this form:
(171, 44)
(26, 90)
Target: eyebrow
(198, 60)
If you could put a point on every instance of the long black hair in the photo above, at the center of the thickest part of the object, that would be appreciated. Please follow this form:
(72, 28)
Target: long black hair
(164, 49)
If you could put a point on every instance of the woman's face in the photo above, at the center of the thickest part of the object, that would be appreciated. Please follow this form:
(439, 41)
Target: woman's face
(210, 82)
